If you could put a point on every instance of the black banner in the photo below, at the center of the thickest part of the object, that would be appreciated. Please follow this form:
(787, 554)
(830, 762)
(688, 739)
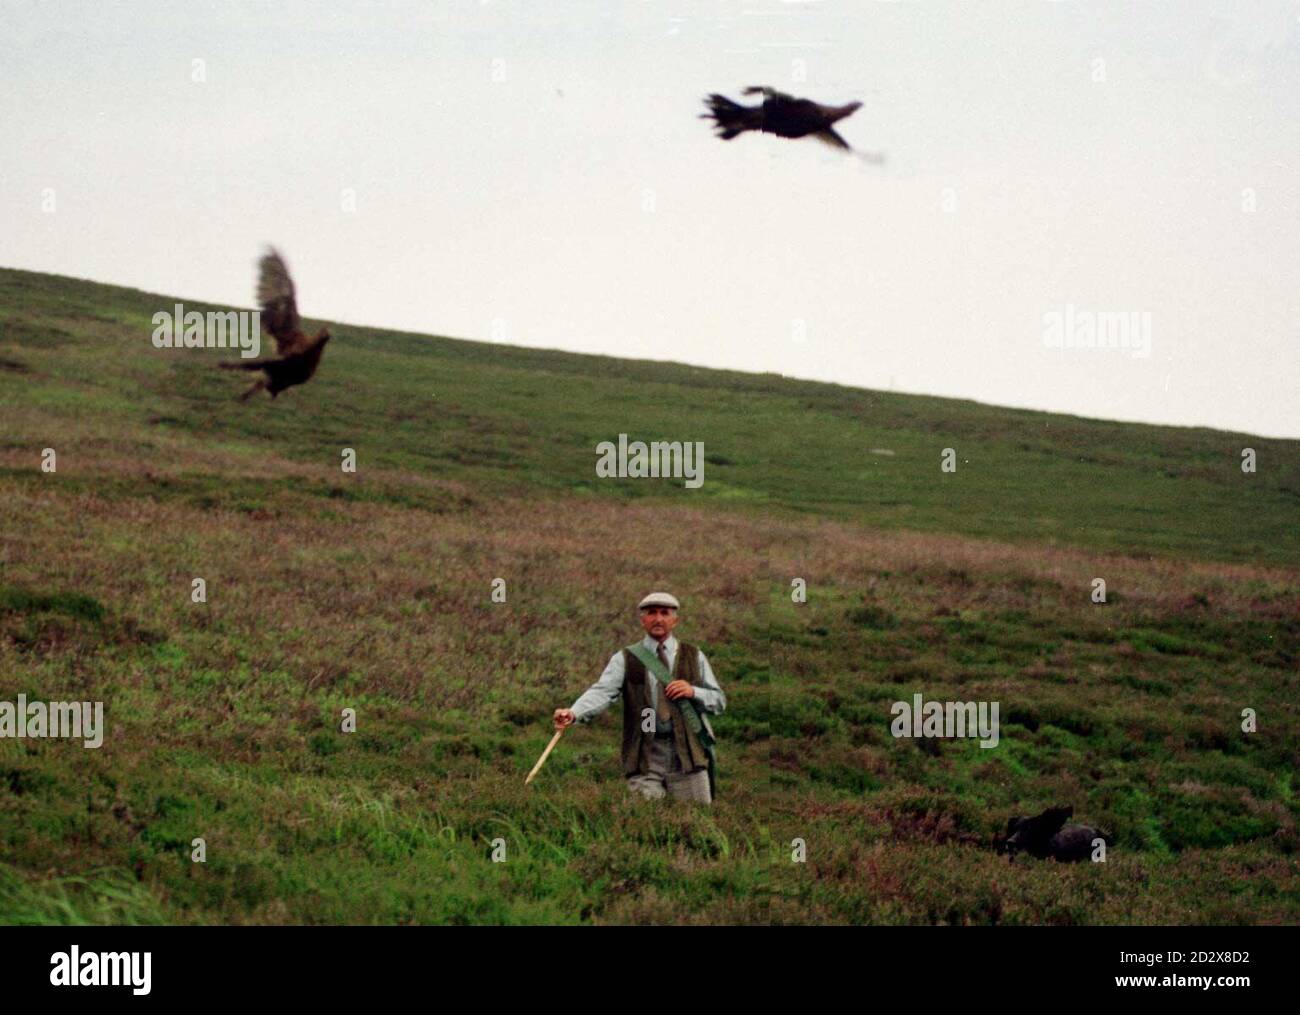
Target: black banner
(334, 964)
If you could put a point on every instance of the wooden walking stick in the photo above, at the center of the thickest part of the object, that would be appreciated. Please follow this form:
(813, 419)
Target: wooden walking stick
(545, 754)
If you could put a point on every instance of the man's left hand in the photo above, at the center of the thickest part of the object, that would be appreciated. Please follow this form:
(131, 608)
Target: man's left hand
(679, 689)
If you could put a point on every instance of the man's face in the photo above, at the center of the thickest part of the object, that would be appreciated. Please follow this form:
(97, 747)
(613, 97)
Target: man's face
(658, 621)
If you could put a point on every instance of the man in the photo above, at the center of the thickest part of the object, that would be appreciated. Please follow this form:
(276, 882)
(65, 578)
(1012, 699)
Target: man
(667, 688)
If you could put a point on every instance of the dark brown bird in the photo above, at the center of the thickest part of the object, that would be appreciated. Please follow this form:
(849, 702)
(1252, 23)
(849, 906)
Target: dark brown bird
(1048, 835)
(298, 355)
(780, 114)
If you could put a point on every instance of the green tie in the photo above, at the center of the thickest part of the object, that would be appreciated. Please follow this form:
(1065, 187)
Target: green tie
(663, 710)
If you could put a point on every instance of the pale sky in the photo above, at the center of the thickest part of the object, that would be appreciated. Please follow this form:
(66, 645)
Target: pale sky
(535, 173)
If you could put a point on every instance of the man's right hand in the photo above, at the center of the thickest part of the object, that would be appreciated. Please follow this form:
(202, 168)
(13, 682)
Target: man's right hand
(564, 717)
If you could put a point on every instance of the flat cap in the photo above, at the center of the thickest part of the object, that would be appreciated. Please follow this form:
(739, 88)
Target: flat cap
(659, 599)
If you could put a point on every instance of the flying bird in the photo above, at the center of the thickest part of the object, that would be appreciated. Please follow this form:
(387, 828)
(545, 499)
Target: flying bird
(780, 114)
(298, 355)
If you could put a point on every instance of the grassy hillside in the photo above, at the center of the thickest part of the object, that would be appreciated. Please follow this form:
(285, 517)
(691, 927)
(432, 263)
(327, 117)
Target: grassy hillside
(372, 591)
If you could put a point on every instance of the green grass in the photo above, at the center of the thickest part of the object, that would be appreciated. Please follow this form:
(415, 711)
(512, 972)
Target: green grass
(372, 591)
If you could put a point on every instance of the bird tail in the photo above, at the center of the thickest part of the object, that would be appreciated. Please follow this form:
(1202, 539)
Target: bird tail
(242, 364)
(730, 118)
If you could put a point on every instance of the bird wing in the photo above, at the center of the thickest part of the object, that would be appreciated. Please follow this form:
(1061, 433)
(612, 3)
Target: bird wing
(261, 363)
(1053, 819)
(828, 136)
(279, 308)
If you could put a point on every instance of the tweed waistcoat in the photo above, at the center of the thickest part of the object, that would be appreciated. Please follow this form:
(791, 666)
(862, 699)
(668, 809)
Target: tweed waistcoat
(636, 699)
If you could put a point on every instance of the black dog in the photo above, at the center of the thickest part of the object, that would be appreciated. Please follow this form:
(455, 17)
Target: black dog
(1048, 835)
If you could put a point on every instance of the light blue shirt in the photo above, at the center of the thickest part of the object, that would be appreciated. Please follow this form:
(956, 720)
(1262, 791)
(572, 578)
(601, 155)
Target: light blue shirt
(600, 695)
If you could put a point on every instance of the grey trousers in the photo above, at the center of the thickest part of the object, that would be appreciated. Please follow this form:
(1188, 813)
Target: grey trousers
(666, 777)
